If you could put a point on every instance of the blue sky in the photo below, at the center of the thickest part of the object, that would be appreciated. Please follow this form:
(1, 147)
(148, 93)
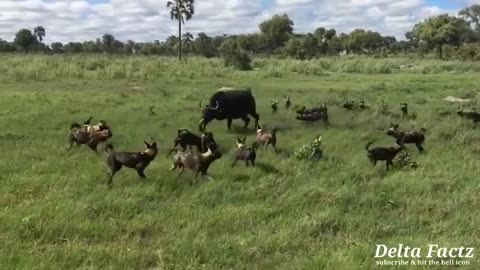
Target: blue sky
(146, 20)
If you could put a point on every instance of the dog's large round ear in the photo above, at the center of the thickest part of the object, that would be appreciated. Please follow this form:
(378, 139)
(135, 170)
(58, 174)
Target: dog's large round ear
(148, 145)
(154, 145)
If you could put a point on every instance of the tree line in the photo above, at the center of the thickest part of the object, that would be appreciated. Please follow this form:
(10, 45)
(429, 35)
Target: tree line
(443, 36)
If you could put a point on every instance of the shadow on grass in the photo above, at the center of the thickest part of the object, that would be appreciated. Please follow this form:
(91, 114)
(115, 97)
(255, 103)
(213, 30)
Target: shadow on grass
(241, 178)
(284, 152)
(240, 130)
(267, 168)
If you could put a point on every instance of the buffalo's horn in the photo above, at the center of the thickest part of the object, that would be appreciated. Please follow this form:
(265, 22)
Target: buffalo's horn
(201, 124)
(216, 106)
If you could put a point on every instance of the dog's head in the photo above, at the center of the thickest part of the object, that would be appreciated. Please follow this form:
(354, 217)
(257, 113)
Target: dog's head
(392, 130)
(259, 129)
(241, 142)
(151, 149)
(102, 135)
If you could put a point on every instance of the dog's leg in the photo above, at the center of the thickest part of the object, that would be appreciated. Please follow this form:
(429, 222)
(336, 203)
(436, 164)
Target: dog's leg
(140, 171)
(93, 145)
(110, 179)
(274, 146)
(173, 167)
(246, 162)
(71, 140)
(182, 168)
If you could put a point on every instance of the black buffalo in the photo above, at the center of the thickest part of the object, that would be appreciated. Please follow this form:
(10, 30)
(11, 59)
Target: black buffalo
(231, 104)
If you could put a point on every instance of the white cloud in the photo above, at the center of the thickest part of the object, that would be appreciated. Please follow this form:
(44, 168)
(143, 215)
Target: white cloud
(147, 20)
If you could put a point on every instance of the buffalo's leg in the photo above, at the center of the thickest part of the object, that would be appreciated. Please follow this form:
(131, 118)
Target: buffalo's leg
(246, 119)
(229, 123)
(420, 147)
(389, 164)
(256, 116)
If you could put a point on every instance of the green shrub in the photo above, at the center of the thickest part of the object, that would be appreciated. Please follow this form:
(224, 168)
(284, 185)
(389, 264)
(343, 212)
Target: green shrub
(234, 55)
(311, 151)
(469, 52)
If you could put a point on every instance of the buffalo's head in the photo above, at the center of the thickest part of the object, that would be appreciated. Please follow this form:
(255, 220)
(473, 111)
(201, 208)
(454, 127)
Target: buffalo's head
(208, 114)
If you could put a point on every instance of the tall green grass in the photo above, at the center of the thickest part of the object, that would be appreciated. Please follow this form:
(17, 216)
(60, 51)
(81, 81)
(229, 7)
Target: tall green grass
(15, 67)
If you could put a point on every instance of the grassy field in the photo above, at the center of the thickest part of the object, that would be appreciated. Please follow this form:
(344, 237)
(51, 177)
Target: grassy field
(56, 211)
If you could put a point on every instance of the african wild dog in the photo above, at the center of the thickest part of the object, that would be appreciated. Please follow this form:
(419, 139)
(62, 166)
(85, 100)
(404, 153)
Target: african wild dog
(473, 116)
(198, 163)
(409, 137)
(134, 160)
(266, 138)
(386, 154)
(186, 138)
(245, 153)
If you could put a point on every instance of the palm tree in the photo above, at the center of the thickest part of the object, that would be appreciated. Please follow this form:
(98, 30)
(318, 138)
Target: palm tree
(180, 10)
(39, 33)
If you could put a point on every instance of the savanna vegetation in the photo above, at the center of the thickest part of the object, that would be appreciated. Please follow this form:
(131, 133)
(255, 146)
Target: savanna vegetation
(289, 212)
(441, 36)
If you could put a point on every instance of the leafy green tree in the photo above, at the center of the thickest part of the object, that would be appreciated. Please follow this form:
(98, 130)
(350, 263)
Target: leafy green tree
(181, 10)
(108, 41)
(6, 46)
(472, 15)
(234, 55)
(360, 41)
(276, 31)
(251, 43)
(204, 46)
(330, 33)
(303, 47)
(25, 39)
(73, 47)
(130, 47)
(39, 33)
(57, 47)
(442, 30)
(92, 46)
(294, 48)
(320, 32)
